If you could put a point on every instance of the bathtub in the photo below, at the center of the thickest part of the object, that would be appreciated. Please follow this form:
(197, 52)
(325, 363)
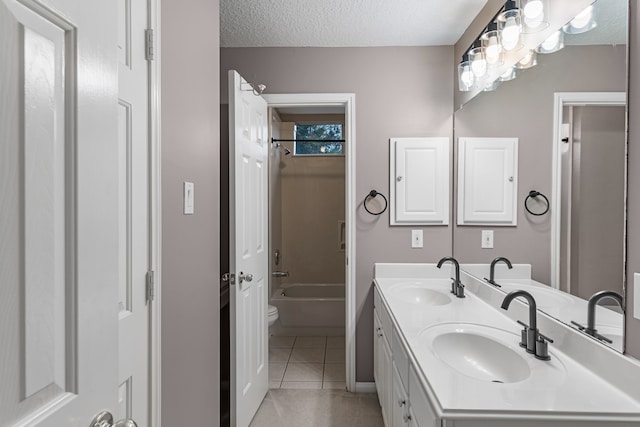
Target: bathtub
(310, 309)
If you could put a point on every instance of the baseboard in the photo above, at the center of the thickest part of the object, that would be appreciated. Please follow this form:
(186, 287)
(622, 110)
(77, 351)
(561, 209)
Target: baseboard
(362, 387)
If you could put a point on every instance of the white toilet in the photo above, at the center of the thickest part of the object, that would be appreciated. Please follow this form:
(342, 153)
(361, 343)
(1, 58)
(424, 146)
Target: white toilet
(272, 314)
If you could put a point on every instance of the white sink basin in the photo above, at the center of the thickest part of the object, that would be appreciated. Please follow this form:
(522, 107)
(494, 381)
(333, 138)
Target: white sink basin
(481, 352)
(419, 294)
(546, 298)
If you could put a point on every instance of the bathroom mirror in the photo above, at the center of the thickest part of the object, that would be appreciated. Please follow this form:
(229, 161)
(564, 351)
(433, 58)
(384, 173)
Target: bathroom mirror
(595, 61)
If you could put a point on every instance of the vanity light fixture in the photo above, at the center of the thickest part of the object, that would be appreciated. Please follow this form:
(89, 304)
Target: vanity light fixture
(534, 13)
(465, 75)
(583, 22)
(510, 25)
(508, 75)
(492, 86)
(478, 60)
(492, 45)
(528, 61)
(552, 44)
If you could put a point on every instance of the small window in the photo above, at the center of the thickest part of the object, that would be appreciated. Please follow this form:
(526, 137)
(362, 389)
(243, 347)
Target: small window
(319, 140)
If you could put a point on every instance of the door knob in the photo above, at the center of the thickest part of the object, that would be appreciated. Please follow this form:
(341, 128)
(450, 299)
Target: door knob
(105, 419)
(245, 277)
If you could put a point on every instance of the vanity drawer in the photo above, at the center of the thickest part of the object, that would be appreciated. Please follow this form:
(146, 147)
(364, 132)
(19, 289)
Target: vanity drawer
(400, 357)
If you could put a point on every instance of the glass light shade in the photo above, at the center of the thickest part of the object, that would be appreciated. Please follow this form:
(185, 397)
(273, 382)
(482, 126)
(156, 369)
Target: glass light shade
(528, 61)
(492, 46)
(552, 44)
(508, 75)
(583, 22)
(510, 29)
(478, 61)
(466, 79)
(492, 86)
(534, 15)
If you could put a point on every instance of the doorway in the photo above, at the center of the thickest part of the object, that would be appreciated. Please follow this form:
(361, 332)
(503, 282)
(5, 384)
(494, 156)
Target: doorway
(344, 103)
(589, 187)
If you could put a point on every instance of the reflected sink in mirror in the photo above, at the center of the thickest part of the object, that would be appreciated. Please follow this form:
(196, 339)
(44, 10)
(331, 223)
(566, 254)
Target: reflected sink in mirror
(481, 352)
(417, 293)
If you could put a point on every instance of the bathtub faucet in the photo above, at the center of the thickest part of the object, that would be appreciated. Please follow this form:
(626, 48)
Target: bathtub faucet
(280, 274)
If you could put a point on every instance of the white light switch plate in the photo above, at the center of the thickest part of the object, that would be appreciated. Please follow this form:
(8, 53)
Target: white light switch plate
(416, 239)
(188, 198)
(636, 295)
(487, 239)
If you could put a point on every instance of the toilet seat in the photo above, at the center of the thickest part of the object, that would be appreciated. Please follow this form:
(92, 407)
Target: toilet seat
(271, 310)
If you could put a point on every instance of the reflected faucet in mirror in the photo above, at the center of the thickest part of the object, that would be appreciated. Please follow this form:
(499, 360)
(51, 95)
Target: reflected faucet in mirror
(492, 269)
(590, 329)
(531, 338)
(457, 288)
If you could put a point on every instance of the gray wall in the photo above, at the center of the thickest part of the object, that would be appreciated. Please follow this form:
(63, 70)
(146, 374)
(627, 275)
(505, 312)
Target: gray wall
(523, 108)
(400, 92)
(633, 177)
(190, 252)
(597, 224)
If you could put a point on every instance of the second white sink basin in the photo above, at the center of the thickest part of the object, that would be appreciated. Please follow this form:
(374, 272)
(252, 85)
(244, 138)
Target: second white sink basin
(417, 293)
(481, 352)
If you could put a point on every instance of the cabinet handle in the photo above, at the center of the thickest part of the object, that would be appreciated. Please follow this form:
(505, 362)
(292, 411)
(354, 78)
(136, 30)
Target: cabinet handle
(379, 335)
(406, 418)
(401, 402)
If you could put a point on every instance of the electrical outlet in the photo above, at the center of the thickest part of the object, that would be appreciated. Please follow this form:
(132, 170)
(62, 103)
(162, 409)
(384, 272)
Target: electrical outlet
(416, 239)
(487, 239)
(188, 198)
(636, 295)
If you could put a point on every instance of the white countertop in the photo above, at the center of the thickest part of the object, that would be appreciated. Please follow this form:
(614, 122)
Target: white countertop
(560, 388)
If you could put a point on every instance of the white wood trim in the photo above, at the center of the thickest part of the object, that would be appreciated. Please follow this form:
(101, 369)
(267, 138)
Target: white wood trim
(560, 100)
(362, 387)
(155, 232)
(348, 100)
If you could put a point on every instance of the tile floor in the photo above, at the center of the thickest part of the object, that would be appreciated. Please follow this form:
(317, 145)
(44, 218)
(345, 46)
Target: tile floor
(318, 408)
(306, 362)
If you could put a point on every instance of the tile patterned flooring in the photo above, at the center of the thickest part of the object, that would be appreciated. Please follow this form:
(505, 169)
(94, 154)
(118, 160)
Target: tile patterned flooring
(318, 408)
(306, 363)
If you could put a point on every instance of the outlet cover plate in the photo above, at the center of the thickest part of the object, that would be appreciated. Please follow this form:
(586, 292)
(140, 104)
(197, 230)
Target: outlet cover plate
(487, 239)
(417, 239)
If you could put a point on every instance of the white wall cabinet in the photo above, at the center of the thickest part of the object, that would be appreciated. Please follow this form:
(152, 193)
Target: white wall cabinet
(487, 181)
(419, 181)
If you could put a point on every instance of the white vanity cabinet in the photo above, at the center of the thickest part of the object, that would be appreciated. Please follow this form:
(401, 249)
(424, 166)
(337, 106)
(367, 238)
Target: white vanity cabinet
(403, 402)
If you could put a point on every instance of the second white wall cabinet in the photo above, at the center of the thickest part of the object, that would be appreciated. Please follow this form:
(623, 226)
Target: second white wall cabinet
(487, 181)
(419, 181)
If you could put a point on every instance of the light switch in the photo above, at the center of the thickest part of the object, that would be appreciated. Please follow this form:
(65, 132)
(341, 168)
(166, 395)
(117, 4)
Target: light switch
(416, 239)
(636, 295)
(487, 239)
(188, 198)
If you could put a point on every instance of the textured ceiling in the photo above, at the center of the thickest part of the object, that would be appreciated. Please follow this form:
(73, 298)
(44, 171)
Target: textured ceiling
(331, 23)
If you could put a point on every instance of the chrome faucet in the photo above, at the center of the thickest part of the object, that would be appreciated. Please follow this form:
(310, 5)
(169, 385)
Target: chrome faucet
(457, 288)
(590, 329)
(530, 338)
(492, 269)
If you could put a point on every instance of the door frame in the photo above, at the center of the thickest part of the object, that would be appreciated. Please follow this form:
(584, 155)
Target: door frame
(155, 210)
(348, 101)
(561, 100)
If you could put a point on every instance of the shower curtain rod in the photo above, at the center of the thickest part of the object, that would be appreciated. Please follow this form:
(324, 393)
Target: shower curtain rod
(306, 140)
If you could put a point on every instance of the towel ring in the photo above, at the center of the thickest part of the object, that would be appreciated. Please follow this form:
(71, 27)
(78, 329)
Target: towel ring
(372, 194)
(533, 194)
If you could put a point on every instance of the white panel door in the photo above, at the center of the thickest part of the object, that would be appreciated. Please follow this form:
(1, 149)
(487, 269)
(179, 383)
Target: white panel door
(248, 256)
(134, 244)
(419, 181)
(487, 181)
(58, 212)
